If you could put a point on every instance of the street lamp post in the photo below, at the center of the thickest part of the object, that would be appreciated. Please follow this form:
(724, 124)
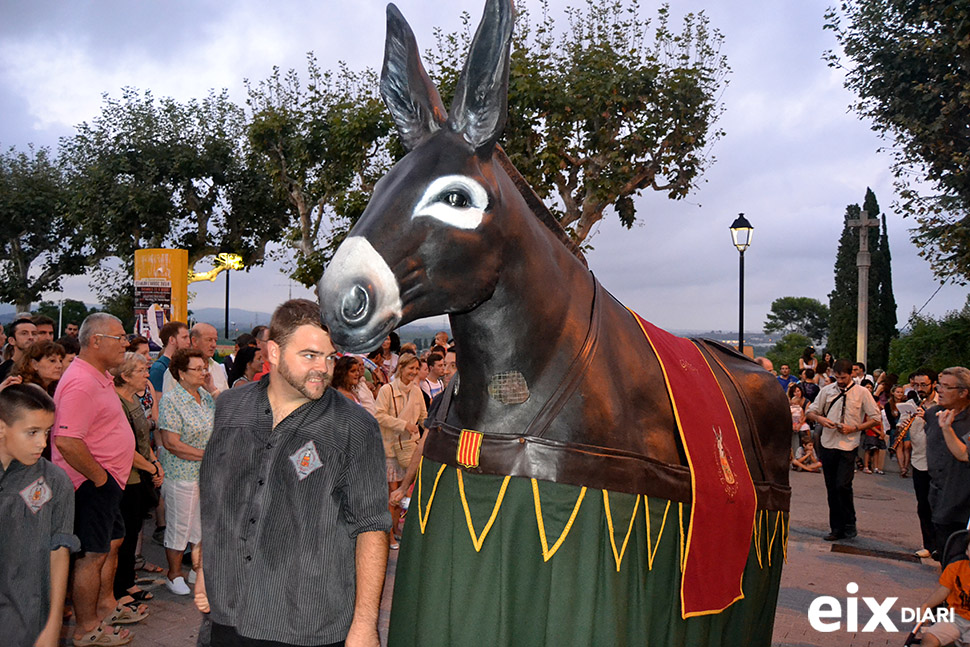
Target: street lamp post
(228, 272)
(741, 231)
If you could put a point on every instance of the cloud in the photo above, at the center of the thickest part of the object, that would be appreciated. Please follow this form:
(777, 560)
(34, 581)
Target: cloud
(793, 157)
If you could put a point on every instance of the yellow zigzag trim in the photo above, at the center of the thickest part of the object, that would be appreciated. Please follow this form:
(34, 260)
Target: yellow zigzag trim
(787, 532)
(547, 552)
(609, 523)
(423, 518)
(651, 549)
(478, 541)
(757, 537)
(683, 553)
(771, 543)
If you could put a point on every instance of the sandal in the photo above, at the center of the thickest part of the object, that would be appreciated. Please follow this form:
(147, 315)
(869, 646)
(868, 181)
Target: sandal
(102, 636)
(142, 565)
(127, 613)
(140, 595)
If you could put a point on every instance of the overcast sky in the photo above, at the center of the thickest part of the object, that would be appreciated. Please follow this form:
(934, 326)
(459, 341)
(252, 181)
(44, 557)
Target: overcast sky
(792, 159)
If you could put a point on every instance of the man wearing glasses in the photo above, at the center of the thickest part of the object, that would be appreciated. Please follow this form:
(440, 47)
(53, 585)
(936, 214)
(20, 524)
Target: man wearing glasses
(294, 499)
(93, 443)
(844, 410)
(947, 428)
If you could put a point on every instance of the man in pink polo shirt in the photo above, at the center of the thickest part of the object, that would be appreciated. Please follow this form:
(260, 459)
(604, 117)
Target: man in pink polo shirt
(94, 444)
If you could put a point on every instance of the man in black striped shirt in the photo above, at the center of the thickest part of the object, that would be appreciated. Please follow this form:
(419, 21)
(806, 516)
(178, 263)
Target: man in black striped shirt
(294, 502)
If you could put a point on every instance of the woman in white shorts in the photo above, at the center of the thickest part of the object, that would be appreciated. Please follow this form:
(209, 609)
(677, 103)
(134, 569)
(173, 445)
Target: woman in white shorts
(185, 417)
(400, 409)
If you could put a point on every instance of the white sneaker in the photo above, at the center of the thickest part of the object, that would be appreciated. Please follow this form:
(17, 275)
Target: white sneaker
(192, 577)
(178, 587)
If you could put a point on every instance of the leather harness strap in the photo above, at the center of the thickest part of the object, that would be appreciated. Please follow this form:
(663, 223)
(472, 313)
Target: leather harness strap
(578, 370)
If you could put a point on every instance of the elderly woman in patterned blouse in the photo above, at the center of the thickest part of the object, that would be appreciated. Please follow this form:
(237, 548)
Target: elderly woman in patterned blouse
(185, 418)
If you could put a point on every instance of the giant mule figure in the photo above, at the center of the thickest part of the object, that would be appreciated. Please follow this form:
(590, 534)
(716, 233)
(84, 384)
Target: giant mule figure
(588, 479)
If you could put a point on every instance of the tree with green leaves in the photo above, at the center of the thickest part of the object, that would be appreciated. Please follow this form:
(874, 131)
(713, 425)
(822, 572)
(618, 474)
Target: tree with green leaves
(153, 172)
(39, 244)
(150, 172)
(804, 315)
(904, 61)
(606, 109)
(936, 343)
(69, 310)
(843, 300)
(788, 350)
(323, 145)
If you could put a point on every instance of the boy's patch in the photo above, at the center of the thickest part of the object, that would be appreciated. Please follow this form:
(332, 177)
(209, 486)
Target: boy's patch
(306, 460)
(36, 494)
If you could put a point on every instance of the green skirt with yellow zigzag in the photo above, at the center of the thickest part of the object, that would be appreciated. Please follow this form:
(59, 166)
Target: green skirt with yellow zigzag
(494, 561)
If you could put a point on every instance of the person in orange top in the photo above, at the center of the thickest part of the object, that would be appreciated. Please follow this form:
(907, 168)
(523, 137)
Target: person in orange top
(955, 590)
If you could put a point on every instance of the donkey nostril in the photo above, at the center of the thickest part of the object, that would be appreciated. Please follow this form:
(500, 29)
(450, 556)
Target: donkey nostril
(355, 304)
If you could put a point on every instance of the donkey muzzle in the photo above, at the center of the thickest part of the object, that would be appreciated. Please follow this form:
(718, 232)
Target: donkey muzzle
(360, 299)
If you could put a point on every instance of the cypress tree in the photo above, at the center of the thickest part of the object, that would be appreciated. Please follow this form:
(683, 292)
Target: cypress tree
(843, 300)
(882, 324)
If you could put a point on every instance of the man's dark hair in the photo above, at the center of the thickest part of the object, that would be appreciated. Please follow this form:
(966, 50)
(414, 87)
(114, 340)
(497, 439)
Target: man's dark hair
(433, 358)
(842, 366)
(42, 320)
(137, 341)
(245, 339)
(809, 373)
(23, 321)
(169, 330)
(17, 399)
(180, 360)
(257, 331)
(292, 314)
(70, 344)
(860, 365)
(927, 372)
(866, 382)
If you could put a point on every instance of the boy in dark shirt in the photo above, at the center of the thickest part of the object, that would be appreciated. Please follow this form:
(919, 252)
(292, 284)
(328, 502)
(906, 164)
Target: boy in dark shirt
(36, 521)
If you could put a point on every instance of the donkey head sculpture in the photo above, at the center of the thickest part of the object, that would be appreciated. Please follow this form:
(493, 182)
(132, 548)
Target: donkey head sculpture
(446, 203)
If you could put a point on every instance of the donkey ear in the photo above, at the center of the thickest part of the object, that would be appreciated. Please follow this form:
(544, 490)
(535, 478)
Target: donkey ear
(480, 107)
(407, 90)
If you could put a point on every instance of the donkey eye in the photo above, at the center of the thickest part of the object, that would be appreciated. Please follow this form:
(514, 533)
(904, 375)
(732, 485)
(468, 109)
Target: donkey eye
(456, 199)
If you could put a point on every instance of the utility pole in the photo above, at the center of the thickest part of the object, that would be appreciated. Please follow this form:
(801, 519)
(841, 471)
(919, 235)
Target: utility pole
(863, 261)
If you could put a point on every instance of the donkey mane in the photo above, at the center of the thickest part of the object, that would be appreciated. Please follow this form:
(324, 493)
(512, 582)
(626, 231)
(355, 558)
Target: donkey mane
(537, 206)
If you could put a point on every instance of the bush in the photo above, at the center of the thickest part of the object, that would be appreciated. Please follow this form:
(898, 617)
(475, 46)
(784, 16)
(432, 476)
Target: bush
(788, 350)
(937, 344)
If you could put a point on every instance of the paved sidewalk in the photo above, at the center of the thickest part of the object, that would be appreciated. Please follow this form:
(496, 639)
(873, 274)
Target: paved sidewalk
(888, 526)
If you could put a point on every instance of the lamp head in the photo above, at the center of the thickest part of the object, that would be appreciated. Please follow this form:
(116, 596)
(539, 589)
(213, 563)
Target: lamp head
(741, 231)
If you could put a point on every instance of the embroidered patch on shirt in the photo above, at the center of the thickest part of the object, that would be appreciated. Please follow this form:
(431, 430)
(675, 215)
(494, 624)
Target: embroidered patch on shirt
(306, 460)
(36, 494)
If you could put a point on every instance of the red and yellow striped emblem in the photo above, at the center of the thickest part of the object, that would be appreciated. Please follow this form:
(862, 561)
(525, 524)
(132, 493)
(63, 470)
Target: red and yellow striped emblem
(469, 448)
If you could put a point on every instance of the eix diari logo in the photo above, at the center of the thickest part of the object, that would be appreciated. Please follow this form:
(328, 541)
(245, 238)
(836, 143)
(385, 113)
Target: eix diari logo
(826, 613)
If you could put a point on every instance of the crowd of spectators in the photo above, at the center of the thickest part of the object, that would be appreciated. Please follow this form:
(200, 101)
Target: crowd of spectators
(920, 424)
(128, 433)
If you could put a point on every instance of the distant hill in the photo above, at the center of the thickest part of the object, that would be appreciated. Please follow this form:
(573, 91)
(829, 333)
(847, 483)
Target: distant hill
(240, 321)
